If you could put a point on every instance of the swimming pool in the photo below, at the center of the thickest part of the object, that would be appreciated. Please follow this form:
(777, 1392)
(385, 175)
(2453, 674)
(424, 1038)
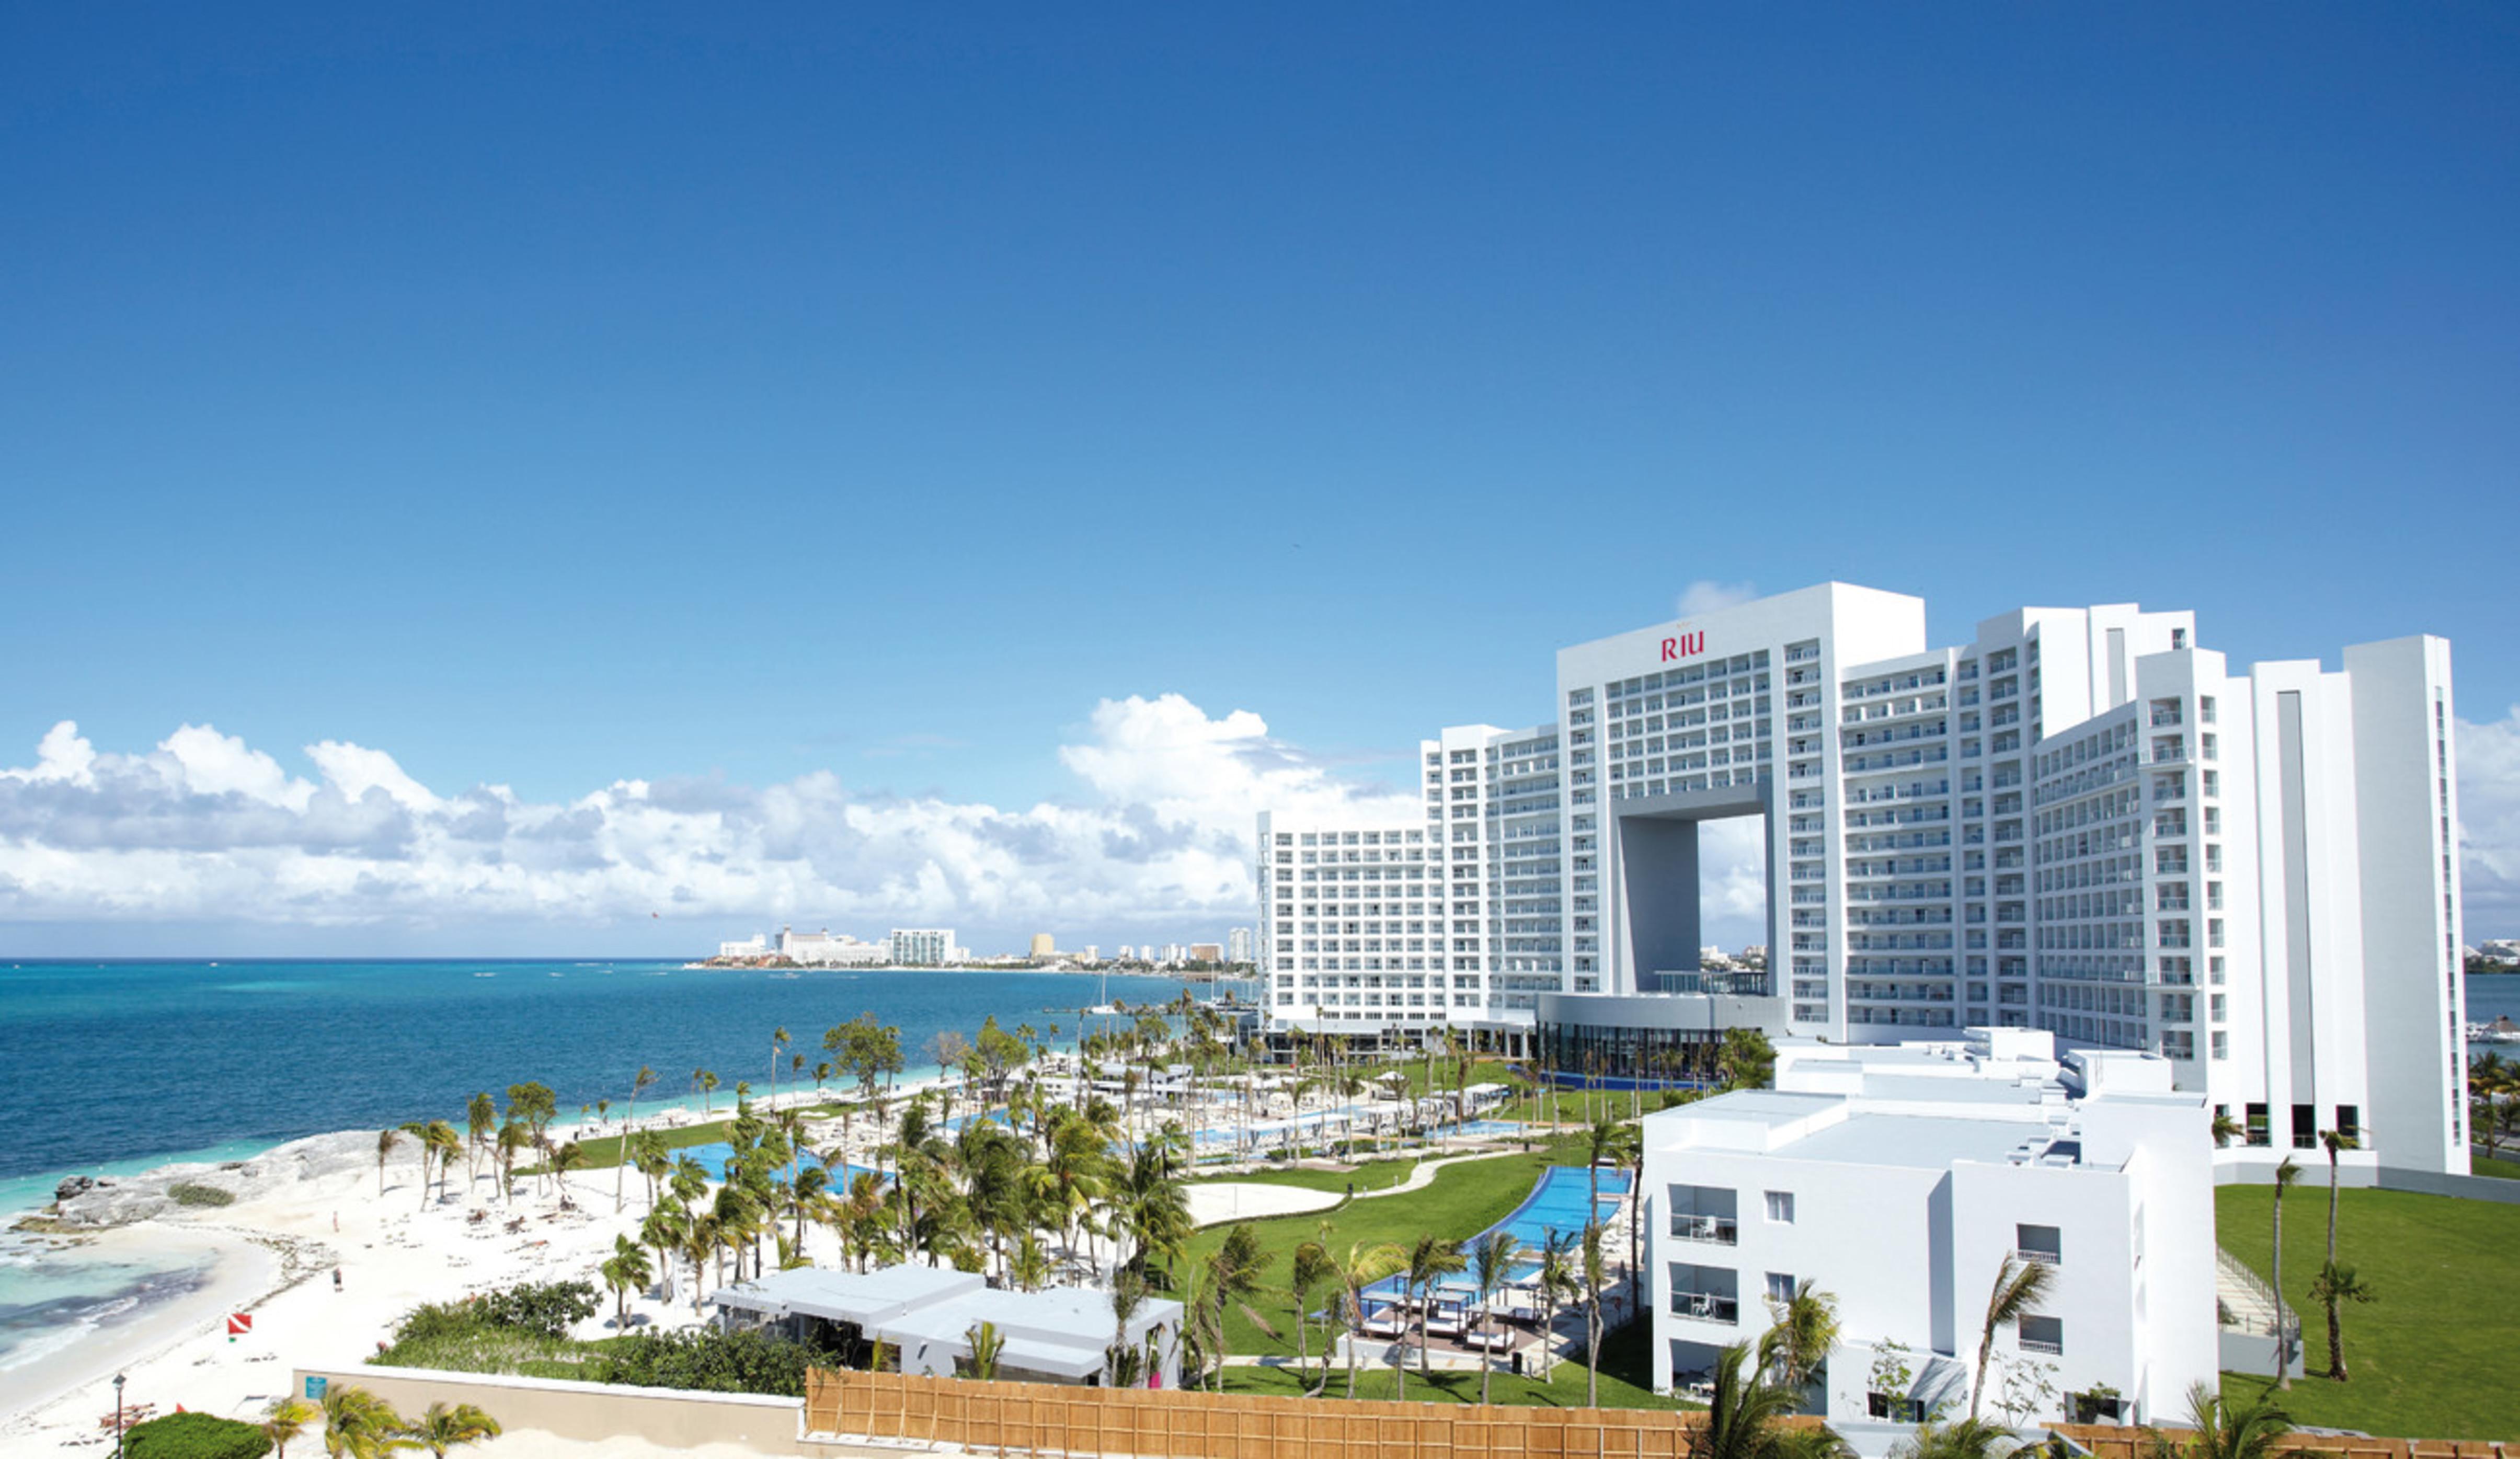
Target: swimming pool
(1556, 1204)
(716, 1157)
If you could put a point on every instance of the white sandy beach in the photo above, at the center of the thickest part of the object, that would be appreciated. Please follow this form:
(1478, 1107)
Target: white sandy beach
(276, 1253)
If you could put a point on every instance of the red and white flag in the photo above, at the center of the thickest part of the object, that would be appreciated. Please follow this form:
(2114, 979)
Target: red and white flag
(240, 1324)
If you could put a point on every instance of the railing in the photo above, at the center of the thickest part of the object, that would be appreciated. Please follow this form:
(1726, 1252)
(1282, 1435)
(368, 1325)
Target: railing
(2043, 1259)
(2041, 1344)
(1707, 1306)
(1722, 1230)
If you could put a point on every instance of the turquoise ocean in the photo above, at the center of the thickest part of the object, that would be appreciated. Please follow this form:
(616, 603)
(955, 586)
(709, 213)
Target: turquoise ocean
(117, 1067)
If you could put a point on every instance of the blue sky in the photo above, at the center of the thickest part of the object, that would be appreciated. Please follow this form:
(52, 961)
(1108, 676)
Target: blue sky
(558, 396)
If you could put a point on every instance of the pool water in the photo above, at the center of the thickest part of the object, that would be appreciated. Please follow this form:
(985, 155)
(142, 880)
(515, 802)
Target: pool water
(1556, 1204)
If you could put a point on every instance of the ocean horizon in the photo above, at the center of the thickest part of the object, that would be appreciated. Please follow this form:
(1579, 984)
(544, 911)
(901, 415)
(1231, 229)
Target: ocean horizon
(121, 1065)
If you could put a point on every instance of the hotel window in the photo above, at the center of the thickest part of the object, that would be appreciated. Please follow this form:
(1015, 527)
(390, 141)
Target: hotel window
(1780, 1287)
(1781, 1206)
(2305, 1127)
(2349, 1121)
(2043, 1334)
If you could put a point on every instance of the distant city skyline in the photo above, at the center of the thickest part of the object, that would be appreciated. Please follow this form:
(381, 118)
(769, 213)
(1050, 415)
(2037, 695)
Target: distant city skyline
(488, 488)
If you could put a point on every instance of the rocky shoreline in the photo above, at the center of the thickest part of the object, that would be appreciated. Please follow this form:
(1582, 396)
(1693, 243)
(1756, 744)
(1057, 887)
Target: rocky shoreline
(93, 1202)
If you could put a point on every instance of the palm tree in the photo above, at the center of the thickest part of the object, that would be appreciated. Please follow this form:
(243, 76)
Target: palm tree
(442, 1428)
(1231, 1275)
(2335, 1284)
(359, 1424)
(515, 1138)
(667, 1230)
(625, 1271)
(2285, 1176)
(1491, 1258)
(480, 1119)
(1596, 1276)
(2226, 1129)
(387, 1139)
(986, 1344)
(571, 1155)
(439, 1138)
(1805, 1329)
(1363, 1266)
(1311, 1271)
(1122, 1360)
(1963, 1438)
(2020, 1287)
(284, 1420)
(706, 1083)
(2225, 1430)
(778, 1046)
(1558, 1281)
(2334, 1140)
(1742, 1420)
(1430, 1261)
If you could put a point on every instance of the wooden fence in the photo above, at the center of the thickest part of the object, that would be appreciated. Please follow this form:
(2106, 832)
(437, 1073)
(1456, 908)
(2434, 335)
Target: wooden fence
(1029, 1418)
(2109, 1442)
(1037, 1418)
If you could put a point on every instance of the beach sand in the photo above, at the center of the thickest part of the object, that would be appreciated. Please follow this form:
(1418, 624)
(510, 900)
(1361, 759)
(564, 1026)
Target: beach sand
(276, 1260)
(278, 1251)
(275, 1257)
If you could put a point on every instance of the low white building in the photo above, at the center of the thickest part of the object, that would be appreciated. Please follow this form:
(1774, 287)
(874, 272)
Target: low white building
(756, 946)
(1900, 1178)
(928, 1314)
(827, 948)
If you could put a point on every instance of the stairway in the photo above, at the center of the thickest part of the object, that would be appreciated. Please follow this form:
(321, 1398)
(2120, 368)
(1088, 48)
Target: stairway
(2244, 1302)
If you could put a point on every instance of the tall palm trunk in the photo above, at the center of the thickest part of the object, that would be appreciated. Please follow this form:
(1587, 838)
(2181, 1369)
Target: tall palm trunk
(2284, 1347)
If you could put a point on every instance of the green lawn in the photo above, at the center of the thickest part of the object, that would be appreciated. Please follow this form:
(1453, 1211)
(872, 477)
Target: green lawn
(1373, 1174)
(1461, 1201)
(2493, 1170)
(1626, 1380)
(2433, 1356)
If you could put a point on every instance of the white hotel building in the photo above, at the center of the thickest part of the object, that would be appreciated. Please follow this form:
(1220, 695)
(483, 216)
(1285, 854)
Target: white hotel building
(1900, 1179)
(2079, 821)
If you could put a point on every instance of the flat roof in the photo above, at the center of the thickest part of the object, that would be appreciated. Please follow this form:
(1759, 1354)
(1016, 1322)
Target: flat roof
(1947, 1091)
(859, 1296)
(1921, 1142)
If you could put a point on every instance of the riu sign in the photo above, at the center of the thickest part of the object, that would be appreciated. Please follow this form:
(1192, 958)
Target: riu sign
(1685, 646)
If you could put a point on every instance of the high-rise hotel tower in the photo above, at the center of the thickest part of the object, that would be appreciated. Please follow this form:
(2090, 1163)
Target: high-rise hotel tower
(2081, 820)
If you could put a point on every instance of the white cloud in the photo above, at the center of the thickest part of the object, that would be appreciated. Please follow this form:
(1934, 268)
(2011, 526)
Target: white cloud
(206, 827)
(1707, 594)
(2489, 812)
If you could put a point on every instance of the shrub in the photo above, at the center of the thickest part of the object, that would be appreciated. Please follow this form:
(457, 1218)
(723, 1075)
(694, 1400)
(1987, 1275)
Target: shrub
(549, 1308)
(195, 1435)
(187, 1193)
(703, 1359)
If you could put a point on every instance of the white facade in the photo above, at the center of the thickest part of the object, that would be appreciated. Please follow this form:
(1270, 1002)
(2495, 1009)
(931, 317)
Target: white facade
(2079, 821)
(1237, 945)
(924, 947)
(1900, 1179)
(756, 946)
(825, 949)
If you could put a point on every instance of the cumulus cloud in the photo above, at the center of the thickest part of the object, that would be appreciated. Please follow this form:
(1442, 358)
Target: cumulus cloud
(207, 827)
(1707, 594)
(2488, 814)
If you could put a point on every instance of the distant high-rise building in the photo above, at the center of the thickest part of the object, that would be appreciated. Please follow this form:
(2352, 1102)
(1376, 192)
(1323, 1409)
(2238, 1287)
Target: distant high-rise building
(1206, 952)
(1044, 944)
(1092, 953)
(1172, 953)
(923, 946)
(1237, 945)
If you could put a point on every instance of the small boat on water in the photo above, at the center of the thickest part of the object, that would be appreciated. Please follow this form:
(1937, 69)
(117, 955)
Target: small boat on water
(486, 975)
(2501, 1031)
